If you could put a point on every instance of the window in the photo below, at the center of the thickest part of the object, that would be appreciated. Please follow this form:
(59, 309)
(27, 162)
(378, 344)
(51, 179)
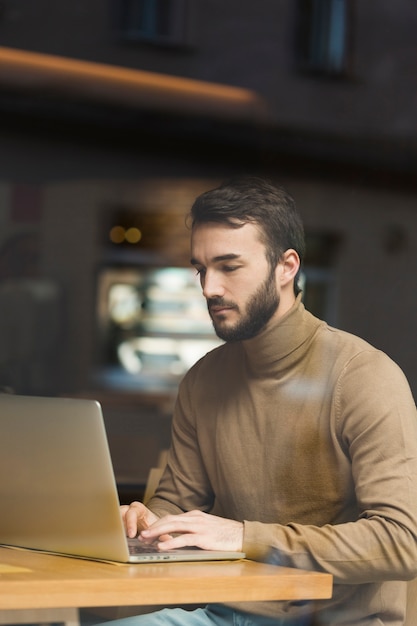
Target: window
(319, 278)
(161, 22)
(323, 36)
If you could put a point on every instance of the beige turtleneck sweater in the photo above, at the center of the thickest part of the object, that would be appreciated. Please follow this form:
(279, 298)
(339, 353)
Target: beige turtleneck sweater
(309, 435)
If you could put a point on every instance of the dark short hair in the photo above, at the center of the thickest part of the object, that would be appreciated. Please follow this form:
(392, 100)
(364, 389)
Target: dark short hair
(258, 201)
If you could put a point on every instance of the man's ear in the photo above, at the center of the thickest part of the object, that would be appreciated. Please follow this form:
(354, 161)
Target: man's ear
(289, 264)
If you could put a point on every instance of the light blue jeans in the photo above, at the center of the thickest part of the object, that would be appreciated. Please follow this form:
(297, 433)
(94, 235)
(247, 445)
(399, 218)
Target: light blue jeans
(211, 615)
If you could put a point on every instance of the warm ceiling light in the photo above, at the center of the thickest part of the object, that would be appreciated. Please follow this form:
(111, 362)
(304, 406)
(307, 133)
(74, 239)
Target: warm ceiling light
(117, 234)
(133, 235)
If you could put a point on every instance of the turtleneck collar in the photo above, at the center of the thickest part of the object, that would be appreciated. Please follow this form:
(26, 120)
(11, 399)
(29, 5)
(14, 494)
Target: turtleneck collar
(269, 349)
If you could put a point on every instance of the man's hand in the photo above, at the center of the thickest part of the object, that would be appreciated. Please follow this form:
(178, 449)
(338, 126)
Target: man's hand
(194, 528)
(136, 517)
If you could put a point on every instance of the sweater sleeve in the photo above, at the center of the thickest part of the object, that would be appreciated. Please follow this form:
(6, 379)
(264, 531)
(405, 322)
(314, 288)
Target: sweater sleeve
(184, 485)
(376, 428)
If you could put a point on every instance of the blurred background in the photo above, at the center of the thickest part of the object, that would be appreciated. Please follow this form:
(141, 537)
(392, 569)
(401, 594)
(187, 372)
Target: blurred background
(116, 114)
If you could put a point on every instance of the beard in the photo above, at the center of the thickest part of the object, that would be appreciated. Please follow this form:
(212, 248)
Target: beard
(260, 307)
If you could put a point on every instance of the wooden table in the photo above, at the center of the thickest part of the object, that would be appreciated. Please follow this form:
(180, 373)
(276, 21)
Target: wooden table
(30, 580)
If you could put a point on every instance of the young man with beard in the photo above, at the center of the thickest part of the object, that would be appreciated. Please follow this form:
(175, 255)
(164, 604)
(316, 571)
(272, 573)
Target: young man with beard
(294, 442)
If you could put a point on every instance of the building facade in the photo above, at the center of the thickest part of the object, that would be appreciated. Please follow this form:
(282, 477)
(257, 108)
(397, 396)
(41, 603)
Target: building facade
(124, 110)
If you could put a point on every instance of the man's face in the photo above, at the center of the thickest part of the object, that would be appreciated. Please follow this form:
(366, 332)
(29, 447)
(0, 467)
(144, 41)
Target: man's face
(237, 281)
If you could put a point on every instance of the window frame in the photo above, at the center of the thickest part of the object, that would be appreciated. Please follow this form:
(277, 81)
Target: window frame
(141, 21)
(324, 37)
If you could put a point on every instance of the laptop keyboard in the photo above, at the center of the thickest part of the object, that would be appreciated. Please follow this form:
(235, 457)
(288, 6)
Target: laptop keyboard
(138, 547)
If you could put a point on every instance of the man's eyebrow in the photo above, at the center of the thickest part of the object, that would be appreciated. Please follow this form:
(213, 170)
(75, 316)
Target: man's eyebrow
(217, 259)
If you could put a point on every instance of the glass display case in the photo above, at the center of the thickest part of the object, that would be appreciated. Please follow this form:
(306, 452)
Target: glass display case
(153, 324)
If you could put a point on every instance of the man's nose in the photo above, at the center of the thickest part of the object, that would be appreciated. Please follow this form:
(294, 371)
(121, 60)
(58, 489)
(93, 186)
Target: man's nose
(212, 285)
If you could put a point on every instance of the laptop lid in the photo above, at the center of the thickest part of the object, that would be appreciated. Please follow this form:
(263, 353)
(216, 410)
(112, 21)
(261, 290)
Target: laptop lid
(57, 484)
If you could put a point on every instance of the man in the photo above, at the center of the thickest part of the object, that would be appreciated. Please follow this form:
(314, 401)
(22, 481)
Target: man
(294, 442)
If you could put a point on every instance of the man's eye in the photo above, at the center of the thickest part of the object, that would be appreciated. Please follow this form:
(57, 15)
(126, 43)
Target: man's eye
(199, 271)
(230, 268)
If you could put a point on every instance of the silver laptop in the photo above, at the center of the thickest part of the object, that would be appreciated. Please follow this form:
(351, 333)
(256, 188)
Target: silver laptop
(57, 487)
